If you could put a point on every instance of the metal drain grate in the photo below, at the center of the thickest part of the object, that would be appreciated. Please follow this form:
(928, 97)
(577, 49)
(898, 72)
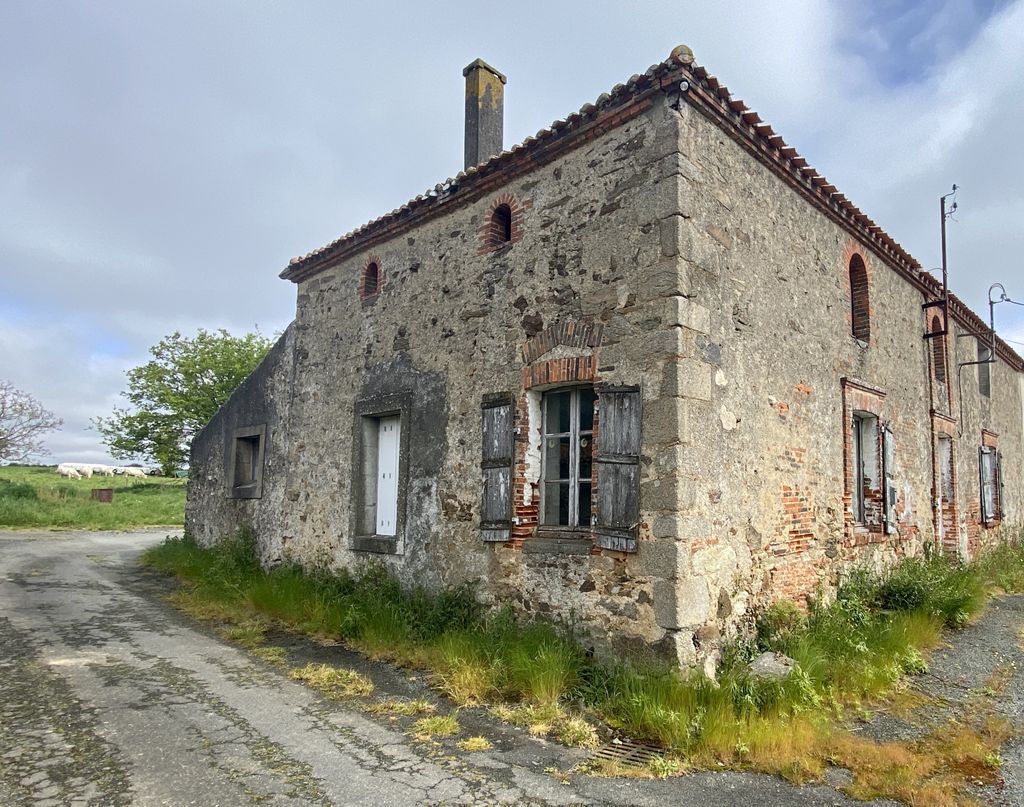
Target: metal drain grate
(627, 752)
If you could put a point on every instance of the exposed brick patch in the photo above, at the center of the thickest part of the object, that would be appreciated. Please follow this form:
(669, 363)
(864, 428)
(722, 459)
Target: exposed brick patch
(581, 369)
(503, 223)
(572, 334)
(525, 517)
(795, 532)
(371, 279)
(946, 512)
(796, 579)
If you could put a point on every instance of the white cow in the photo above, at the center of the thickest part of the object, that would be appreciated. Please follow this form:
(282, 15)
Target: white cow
(103, 470)
(68, 472)
(132, 471)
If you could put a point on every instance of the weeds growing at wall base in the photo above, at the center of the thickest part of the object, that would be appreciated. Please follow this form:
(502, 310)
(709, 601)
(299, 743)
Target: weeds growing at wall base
(850, 651)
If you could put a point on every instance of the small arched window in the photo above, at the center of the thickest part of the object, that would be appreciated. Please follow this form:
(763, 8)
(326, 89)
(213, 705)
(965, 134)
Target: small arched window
(938, 350)
(860, 309)
(371, 279)
(501, 225)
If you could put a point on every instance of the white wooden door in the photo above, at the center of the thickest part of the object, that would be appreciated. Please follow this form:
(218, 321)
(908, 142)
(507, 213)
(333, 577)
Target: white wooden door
(387, 475)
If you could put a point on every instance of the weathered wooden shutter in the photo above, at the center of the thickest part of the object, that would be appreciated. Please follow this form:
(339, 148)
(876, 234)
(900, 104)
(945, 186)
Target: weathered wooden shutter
(496, 469)
(889, 490)
(617, 515)
(985, 471)
(999, 485)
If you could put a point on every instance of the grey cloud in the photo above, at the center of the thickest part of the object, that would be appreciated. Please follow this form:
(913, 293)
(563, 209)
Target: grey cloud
(163, 161)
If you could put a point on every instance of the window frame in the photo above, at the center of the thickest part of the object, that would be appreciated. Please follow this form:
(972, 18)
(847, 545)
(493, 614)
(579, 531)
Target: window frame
(860, 299)
(939, 369)
(574, 434)
(985, 356)
(858, 501)
(990, 516)
(250, 488)
(363, 537)
(501, 224)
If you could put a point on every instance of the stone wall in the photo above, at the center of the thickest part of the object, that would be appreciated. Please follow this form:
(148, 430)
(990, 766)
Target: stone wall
(658, 255)
(771, 515)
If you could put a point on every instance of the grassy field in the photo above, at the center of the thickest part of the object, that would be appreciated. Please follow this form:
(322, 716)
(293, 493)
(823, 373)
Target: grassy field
(851, 651)
(36, 497)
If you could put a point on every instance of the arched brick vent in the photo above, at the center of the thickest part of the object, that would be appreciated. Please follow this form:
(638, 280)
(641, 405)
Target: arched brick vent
(860, 304)
(370, 280)
(503, 223)
(938, 350)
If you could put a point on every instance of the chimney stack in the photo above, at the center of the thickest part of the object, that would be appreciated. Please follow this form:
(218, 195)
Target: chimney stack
(485, 107)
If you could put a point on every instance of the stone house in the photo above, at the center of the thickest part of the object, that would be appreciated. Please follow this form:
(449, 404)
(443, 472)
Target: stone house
(645, 371)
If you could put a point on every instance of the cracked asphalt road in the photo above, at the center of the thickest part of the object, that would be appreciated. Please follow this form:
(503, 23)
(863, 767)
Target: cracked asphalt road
(109, 697)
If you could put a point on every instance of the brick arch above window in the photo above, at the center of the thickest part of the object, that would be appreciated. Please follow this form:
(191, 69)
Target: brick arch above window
(503, 222)
(371, 279)
(565, 353)
(572, 334)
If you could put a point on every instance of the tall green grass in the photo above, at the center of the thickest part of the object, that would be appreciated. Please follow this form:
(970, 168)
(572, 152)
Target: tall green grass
(851, 648)
(35, 497)
(477, 657)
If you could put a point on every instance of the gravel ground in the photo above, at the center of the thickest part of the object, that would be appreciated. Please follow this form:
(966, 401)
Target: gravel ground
(981, 670)
(110, 697)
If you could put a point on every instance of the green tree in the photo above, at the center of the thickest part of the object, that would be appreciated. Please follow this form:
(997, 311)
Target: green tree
(23, 421)
(177, 393)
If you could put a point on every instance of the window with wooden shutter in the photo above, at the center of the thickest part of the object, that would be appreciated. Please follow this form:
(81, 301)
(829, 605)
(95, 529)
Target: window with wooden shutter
(889, 479)
(496, 469)
(999, 485)
(617, 514)
(989, 483)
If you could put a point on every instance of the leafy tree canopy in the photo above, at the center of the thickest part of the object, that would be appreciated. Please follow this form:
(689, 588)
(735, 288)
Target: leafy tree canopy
(23, 421)
(177, 393)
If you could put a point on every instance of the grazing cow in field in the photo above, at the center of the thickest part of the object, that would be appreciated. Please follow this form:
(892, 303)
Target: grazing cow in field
(132, 471)
(67, 472)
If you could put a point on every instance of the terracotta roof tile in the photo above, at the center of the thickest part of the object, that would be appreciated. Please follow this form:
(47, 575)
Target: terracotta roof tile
(706, 90)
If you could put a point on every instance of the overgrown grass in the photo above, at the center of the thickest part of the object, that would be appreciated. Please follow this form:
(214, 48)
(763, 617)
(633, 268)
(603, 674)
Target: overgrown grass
(338, 683)
(849, 650)
(428, 728)
(34, 497)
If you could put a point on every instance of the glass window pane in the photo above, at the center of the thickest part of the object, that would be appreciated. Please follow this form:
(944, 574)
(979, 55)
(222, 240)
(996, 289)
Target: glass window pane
(563, 503)
(556, 458)
(558, 411)
(587, 398)
(586, 457)
(556, 504)
(584, 512)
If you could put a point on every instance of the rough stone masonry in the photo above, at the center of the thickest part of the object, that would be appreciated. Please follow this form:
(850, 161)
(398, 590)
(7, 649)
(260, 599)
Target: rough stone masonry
(645, 372)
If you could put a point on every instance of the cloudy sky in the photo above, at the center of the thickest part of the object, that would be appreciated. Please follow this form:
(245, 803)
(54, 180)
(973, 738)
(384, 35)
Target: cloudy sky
(162, 161)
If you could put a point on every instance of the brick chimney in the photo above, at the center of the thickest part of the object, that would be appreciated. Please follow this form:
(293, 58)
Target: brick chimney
(485, 108)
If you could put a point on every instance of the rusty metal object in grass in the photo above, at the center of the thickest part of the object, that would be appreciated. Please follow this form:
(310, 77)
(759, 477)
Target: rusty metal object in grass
(627, 752)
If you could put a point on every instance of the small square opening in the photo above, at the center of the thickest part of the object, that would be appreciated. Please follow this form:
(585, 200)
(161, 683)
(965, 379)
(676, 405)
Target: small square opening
(247, 463)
